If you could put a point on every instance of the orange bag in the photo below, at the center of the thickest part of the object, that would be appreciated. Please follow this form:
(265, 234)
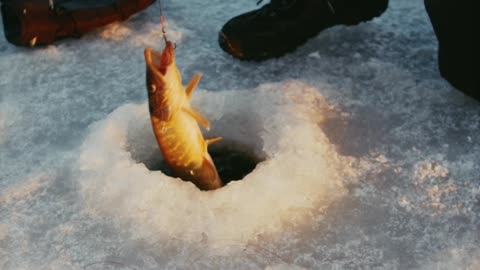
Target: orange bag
(35, 22)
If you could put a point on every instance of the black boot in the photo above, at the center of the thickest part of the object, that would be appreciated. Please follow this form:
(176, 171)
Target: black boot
(282, 25)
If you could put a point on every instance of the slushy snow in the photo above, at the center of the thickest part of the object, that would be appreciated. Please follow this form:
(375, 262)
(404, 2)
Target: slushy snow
(368, 158)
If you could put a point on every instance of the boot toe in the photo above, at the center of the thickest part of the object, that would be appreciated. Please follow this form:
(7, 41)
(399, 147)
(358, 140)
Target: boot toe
(230, 45)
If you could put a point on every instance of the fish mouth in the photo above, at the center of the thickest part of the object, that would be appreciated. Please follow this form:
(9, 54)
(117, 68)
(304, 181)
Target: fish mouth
(159, 63)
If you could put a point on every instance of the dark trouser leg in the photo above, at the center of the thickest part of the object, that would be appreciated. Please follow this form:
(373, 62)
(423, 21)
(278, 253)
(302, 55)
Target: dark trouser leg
(454, 25)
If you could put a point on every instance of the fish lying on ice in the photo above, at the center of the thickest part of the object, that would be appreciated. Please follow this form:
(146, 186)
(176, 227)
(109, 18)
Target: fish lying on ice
(176, 124)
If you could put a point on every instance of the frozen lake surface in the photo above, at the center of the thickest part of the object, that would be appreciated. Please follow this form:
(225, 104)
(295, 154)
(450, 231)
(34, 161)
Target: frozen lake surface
(369, 159)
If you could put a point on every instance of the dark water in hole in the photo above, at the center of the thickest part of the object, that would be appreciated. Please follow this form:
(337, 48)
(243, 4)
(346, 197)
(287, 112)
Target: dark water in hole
(232, 162)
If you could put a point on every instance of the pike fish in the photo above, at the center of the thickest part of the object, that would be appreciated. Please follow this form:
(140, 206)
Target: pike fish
(176, 124)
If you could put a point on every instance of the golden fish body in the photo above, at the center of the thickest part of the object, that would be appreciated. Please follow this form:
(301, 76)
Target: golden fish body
(176, 124)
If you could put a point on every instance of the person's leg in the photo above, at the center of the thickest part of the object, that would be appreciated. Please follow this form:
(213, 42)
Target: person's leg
(282, 25)
(454, 24)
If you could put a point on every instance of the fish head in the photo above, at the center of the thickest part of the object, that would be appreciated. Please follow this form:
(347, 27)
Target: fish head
(163, 81)
(160, 62)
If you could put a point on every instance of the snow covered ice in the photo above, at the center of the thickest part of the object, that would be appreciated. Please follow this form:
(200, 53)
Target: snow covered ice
(370, 160)
(114, 183)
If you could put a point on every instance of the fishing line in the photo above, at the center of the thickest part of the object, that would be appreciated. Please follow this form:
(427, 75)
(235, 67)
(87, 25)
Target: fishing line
(162, 23)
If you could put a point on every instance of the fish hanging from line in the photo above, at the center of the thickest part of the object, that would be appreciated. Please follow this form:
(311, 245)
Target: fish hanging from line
(176, 124)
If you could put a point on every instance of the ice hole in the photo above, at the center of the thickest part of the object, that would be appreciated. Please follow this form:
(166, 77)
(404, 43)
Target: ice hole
(233, 160)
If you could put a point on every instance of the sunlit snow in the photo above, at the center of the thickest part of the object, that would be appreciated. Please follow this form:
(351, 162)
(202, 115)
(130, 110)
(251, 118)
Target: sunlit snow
(368, 158)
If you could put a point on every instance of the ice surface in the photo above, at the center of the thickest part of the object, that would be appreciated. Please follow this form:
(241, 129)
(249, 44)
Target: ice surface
(370, 159)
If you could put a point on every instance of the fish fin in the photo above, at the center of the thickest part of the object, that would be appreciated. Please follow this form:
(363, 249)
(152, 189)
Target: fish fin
(213, 140)
(198, 117)
(193, 84)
